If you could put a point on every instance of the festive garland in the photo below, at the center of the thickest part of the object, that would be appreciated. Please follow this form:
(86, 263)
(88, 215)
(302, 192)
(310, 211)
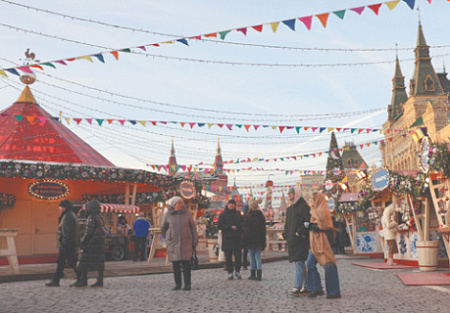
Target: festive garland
(440, 159)
(12, 169)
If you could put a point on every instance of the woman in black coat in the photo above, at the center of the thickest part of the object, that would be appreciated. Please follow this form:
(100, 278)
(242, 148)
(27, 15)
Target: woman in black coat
(255, 238)
(296, 234)
(92, 257)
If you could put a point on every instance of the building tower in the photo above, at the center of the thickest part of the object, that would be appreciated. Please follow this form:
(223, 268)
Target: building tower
(172, 166)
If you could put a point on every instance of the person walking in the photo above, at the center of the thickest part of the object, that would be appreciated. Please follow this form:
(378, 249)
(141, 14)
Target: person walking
(390, 227)
(67, 239)
(141, 229)
(255, 238)
(230, 223)
(181, 239)
(321, 251)
(296, 235)
(92, 256)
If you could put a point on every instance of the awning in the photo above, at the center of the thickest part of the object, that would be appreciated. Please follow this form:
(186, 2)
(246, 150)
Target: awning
(349, 197)
(117, 208)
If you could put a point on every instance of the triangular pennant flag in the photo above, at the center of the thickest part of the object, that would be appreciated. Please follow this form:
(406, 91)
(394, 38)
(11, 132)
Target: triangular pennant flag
(238, 125)
(410, 3)
(247, 127)
(255, 127)
(210, 125)
(323, 18)
(306, 128)
(352, 130)
(392, 4)
(99, 57)
(55, 118)
(142, 122)
(99, 121)
(59, 62)
(360, 130)
(322, 129)
(110, 120)
(89, 120)
(31, 119)
(43, 119)
(211, 35)
(48, 64)
(290, 23)
(281, 128)
(307, 20)
(13, 71)
(242, 30)
(201, 124)
(181, 123)
(314, 129)
(358, 10)
(122, 122)
(229, 126)
(258, 28)
(220, 125)
(274, 127)
(224, 34)
(78, 120)
(2, 72)
(274, 26)
(25, 69)
(375, 7)
(192, 124)
(340, 14)
(196, 37)
(19, 117)
(142, 48)
(86, 57)
(297, 129)
(183, 41)
(330, 129)
(368, 130)
(67, 120)
(115, 54)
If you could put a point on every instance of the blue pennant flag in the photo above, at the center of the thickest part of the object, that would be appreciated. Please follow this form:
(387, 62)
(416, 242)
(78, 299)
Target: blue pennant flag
(99, 57)
(290, 23)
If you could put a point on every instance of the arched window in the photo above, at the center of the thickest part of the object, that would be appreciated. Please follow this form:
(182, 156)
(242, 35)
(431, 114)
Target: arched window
(429, 84)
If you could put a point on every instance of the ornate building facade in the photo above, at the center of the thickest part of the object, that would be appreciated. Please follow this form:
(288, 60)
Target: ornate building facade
(425, 106)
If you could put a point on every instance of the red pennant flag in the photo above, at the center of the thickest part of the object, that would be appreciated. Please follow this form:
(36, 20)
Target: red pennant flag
(196, 37)
(78, 120)
(242, 30)
(368, 130)
(220, 125)
(122, 122)
(258, 28)
(314, 129)
(256, 127)
(281, 128)
(192, 124)
(376, 7)
(338, 129)
(361, 146)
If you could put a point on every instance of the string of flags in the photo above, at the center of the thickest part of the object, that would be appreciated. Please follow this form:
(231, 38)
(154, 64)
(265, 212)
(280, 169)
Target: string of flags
(307, 21)
(100, 122)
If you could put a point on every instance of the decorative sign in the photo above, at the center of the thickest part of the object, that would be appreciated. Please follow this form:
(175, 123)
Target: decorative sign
(380, 179)
(48, 189)
(187, 190)
(424, 155)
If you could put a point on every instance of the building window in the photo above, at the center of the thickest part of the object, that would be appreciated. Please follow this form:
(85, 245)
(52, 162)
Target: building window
(429, 84)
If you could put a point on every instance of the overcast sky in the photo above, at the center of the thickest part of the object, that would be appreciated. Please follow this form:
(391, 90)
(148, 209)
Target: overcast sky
(263, 78)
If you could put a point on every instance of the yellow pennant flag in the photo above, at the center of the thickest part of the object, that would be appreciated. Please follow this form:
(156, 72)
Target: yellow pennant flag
(274, 26)
(392, 4)
(142, 122)
(86, 57)
(2, 72)
(274, 127)
(330, 129)
(210, 125)
(255, 159)
(168, 42)
(67, 120)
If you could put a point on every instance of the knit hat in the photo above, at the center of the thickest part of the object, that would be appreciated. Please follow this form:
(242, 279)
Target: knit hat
(65, 204)
(173, 201)
(253, 205)
(232, 202)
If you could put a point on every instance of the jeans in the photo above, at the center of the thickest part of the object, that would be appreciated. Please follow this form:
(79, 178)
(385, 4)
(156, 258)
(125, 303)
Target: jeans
(301, 276)
(331, 276)
(255, 258)
(69, 255)
(237, 260)
(140, 244)
(244, 257)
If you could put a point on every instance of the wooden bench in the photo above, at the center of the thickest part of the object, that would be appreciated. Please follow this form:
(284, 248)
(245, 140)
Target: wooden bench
(10, 251)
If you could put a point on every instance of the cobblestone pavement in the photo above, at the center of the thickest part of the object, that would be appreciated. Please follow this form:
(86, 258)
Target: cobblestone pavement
(363, 290)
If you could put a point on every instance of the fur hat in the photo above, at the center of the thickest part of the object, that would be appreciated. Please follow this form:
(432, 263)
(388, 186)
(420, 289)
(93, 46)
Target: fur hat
(65, 204)
(253, 205)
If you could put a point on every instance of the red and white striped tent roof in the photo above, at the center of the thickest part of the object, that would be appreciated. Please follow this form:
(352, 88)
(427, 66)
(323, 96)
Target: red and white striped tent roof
(118, 208)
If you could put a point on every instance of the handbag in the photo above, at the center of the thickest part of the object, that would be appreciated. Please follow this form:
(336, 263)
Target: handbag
(194, 260)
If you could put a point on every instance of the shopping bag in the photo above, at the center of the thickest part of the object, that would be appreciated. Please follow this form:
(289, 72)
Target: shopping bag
(194, 260)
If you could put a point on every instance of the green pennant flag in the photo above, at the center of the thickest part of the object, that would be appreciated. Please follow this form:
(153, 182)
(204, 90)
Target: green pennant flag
(340, 14)
(48, 64)
(239, 125)
(19, 117)
(418, 122)
(223, 34)
(99, 121)
(125, 50)
(297, 129)
(352, 130)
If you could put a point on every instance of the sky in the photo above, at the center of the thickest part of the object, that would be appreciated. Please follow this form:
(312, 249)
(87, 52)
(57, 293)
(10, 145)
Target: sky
(334, 76)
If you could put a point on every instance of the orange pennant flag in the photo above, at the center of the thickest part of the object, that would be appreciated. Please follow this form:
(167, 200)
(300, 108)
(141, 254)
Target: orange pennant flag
(115, 54)
(247, 127)
(110, 121)
(30, 119)
(323, 18)
(211, 35)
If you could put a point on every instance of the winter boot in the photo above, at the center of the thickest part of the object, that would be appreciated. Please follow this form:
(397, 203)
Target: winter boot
(82, 283)
(259, 275)
(252, 275)
(78, 273)
(99, 283)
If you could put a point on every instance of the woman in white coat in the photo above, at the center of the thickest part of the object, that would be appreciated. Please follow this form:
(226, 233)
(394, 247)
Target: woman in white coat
(390, 227)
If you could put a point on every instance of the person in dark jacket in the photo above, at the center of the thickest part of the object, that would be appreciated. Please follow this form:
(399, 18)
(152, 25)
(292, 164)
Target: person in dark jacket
(255, 238)
(245, 209)
(92, 256)
(66, 241)
(141, 229)
(230, 223)
(296, 235)
(181, 239)
(342, 239)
